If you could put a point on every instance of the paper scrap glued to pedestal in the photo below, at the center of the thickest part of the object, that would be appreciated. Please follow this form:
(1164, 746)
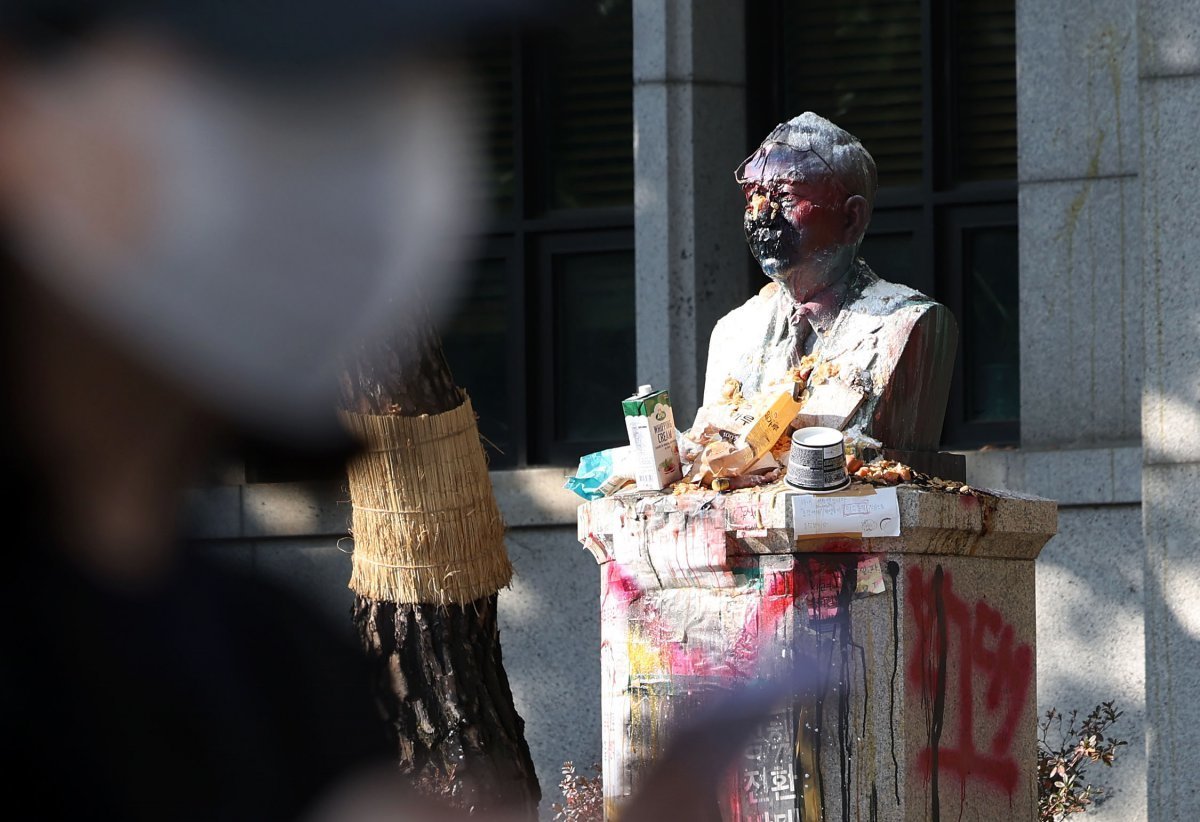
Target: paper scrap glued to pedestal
(873, 513)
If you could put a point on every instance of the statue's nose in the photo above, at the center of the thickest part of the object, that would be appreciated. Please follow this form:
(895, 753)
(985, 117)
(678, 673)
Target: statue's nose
(766, 215)
(758, 204)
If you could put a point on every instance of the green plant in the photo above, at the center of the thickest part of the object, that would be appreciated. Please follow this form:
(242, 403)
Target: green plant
(1063, 788)
(583, 796)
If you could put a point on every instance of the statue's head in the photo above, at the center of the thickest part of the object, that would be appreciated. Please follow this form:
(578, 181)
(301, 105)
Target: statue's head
(809, 188)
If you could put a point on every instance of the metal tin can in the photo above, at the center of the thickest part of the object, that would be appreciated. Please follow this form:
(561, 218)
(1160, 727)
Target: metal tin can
(817, 461)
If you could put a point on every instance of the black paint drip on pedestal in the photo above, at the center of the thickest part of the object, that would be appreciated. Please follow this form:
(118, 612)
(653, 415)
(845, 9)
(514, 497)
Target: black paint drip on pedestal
(939, 696)
(893, 569)
(845, 643)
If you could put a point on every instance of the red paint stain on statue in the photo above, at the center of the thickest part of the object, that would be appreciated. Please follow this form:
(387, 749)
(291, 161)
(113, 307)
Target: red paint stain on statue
(981, 657)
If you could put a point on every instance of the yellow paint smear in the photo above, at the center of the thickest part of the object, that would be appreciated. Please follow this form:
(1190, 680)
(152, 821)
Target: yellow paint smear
(644, 659)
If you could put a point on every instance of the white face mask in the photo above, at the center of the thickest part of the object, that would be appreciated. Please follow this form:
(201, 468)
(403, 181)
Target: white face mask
(239, 238)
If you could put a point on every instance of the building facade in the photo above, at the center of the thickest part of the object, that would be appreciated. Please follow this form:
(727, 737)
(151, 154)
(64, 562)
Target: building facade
(1038, 172)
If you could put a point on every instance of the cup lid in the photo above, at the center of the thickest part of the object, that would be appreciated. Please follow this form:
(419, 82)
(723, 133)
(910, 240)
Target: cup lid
(818, 437)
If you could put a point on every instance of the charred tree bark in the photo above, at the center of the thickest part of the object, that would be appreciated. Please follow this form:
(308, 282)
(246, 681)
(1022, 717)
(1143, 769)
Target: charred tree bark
(438, 670)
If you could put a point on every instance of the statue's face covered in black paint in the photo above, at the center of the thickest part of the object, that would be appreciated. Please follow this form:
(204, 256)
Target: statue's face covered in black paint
(795, 218)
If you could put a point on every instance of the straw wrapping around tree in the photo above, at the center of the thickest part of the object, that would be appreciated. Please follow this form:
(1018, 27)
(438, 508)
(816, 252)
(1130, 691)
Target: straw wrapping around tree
(429, 558)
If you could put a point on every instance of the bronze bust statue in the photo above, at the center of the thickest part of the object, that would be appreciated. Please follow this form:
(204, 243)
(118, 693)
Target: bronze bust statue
(883, 352)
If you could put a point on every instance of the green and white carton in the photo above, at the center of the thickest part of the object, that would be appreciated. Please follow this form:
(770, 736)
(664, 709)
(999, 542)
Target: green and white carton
(651, 427)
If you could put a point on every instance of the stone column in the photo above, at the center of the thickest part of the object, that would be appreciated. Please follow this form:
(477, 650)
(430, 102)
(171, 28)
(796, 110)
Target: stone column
(1077, 103)
(1081, 354)
(1169, 92)
(689, 135)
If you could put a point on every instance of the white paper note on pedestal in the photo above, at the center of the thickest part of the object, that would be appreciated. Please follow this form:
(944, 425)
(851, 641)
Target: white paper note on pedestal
(872, 515)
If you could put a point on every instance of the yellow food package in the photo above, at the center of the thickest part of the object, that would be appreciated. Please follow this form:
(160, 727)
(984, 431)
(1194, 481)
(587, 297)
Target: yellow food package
(771, 424)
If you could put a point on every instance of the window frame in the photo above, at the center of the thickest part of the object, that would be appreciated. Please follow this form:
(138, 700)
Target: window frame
(529, 235)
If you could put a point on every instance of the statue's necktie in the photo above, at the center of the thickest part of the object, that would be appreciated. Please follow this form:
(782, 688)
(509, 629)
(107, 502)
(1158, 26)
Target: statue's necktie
(801, 330)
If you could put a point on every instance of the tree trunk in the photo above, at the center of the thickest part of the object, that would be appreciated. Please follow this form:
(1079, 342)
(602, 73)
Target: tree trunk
(438, 670)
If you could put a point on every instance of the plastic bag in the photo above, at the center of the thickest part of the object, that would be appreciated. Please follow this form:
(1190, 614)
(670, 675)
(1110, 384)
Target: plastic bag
(603, 473)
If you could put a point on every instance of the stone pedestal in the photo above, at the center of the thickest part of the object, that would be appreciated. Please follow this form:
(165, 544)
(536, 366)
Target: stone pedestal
(917, 656)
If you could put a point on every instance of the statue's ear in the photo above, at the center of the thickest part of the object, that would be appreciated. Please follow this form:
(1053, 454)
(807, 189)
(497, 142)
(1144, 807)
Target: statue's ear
(858, 214)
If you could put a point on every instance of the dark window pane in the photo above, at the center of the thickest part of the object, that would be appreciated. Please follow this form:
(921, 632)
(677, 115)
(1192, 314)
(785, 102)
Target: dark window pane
(858, 63)
(987, 90)
(595, 358)
(476, 341)
(990, 338)
(891, 256)
(589, 109)
(491, 67)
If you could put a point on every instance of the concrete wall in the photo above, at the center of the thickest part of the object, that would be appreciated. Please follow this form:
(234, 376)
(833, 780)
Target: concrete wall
(1108, 106)
(1082, 354)
(1089, 596)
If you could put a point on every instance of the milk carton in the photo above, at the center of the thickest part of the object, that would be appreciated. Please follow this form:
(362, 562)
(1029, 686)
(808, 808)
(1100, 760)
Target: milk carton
(651, 427)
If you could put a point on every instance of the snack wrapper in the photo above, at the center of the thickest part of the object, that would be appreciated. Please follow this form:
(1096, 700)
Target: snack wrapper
(603, 473)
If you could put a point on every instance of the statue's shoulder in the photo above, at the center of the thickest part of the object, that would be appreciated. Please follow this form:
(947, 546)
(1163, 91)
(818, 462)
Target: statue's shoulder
(768, 291)
(874, 295)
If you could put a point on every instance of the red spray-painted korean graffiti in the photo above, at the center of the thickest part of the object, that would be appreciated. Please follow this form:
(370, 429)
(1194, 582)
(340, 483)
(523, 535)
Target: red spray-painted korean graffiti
(975, 645)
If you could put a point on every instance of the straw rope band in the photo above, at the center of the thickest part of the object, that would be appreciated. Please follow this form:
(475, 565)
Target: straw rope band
(425, 522)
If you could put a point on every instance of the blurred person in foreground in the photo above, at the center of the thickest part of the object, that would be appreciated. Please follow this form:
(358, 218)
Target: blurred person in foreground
(203, 206)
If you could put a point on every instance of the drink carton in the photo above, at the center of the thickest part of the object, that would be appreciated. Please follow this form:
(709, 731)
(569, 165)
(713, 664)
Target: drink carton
(651, 427)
